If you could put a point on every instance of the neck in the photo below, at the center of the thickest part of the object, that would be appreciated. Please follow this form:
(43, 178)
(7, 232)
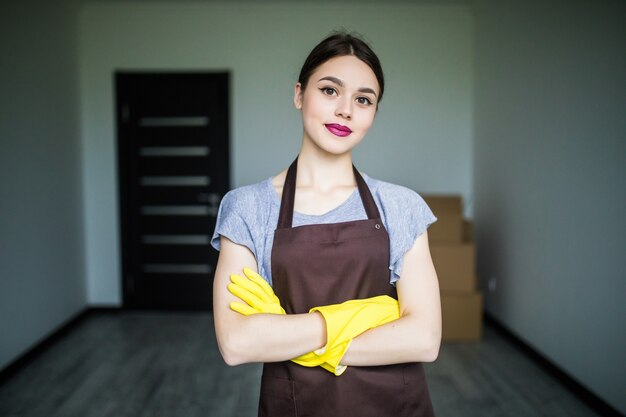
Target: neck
(324, 171)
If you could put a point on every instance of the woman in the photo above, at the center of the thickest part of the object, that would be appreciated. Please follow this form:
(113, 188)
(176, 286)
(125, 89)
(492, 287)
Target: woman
(321, 233)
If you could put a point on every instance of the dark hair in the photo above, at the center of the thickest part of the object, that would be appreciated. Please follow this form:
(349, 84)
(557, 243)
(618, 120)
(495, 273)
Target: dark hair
(342, 44)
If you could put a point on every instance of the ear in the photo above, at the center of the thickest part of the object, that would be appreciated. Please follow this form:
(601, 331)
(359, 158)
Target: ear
(297, 96)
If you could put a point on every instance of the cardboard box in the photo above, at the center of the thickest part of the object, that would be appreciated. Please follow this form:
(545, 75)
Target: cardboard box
(461, 316)
(449, 225)
(468, 231)
(455, 266)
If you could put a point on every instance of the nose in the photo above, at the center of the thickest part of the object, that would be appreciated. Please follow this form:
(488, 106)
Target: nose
(344, 108)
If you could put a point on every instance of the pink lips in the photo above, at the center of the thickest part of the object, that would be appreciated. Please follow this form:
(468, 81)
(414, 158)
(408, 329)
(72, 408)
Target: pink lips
(338, 130)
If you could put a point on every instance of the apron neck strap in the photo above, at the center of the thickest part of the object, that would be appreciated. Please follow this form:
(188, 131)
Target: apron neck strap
(289, 193)
(285, 216)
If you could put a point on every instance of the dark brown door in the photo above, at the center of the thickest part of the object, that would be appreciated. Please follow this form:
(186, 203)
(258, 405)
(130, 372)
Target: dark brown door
(173, 167)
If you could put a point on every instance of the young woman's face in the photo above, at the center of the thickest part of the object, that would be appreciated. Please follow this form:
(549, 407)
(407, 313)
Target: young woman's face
(339, 104)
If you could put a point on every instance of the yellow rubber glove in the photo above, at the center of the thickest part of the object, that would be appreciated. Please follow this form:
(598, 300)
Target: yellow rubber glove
(343, 321)
(257, 294)
(328, 359)
(259, 297)
(347, 320)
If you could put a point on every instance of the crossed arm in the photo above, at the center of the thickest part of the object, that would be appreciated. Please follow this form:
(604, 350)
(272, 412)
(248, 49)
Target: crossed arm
(272, 337)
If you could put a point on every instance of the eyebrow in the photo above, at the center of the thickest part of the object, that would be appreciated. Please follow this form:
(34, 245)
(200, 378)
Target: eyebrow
(341, 84)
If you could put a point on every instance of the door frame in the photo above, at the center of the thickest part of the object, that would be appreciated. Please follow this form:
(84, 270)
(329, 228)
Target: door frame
(124, 174)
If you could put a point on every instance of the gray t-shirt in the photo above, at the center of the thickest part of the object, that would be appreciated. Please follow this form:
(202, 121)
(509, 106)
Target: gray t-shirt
(248, 216)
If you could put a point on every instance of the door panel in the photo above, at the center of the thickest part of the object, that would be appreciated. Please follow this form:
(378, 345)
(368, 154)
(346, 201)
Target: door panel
(173, 165)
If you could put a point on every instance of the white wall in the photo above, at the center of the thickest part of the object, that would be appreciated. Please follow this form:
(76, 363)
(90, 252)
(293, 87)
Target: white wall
(550, 172)
(424, 123)
(42, 282)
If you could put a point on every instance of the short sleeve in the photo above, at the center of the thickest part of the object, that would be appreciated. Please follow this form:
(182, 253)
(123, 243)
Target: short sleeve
(231, 221)
(407, 217)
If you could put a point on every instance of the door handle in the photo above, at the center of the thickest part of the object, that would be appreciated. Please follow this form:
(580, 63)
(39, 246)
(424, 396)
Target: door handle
(213, 200)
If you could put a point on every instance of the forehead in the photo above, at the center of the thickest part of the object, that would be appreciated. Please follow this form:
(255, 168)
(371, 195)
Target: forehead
(349, 69)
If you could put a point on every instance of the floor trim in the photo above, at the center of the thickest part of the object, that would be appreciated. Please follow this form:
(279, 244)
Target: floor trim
(584, 394)
(14, 366)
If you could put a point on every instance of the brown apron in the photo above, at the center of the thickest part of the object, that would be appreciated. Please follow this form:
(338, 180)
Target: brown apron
(323, 264)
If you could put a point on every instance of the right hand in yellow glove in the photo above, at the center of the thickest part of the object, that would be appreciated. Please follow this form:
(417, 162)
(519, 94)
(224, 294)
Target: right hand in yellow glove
(259, 297)
(257, 294)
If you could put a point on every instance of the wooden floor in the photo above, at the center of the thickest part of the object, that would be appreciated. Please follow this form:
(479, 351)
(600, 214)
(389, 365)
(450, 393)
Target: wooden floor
(152, 364)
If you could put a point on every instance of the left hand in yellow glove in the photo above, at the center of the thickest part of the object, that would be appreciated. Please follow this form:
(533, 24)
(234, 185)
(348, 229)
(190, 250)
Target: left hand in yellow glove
(259, 297)
(349, 319)
(327, 358)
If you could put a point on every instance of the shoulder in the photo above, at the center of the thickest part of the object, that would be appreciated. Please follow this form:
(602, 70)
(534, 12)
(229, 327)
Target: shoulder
(403, 210)
(394, 197)
(406, 216)
(248, 196)
(250, 204)
(242, 215)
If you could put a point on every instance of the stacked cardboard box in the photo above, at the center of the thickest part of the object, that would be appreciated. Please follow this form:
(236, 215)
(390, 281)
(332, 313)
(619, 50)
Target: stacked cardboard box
(454, 255)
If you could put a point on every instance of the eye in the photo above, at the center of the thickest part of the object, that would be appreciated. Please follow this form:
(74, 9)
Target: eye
(364, 100)
(329, 91)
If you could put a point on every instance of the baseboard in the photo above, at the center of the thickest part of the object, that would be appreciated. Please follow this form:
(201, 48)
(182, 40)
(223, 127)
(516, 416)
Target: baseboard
(584, 394)
(26, 357)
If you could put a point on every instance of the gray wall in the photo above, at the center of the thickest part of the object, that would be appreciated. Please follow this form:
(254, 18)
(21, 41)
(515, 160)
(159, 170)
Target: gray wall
(549, 180)
(423, 125)
(42, 282)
